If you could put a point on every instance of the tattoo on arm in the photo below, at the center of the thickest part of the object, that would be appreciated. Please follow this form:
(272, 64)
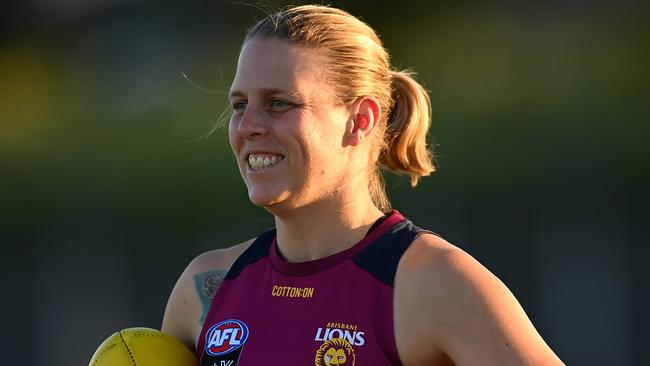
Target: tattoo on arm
(207, 284)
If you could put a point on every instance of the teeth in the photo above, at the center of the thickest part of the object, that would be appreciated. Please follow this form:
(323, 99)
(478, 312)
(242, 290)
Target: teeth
(258, 162)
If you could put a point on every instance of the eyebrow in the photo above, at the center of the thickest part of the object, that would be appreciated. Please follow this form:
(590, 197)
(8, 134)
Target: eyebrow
(265, 92)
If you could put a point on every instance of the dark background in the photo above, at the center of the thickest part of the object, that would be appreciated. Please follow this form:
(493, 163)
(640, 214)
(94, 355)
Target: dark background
(108, 187)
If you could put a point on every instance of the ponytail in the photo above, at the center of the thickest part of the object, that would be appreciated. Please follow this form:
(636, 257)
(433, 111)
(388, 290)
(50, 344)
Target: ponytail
(406, 148)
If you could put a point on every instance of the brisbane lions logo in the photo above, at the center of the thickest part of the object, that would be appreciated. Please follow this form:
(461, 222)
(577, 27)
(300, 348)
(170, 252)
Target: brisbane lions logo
(336, 351)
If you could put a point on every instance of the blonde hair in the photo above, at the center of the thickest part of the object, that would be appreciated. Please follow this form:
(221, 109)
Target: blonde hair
(359, 65)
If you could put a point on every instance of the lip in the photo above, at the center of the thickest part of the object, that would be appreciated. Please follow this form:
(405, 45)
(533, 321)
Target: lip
(247, 154)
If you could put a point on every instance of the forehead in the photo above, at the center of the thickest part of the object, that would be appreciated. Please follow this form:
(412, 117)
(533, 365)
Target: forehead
(277, 64)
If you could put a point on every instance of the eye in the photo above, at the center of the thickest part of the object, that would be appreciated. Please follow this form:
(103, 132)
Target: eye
(279, 105)
(238, 106)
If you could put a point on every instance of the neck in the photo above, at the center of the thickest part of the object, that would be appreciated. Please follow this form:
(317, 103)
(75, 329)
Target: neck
(324, 228)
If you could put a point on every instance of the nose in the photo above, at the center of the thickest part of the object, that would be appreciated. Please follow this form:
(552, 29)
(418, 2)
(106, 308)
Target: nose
(251, 123)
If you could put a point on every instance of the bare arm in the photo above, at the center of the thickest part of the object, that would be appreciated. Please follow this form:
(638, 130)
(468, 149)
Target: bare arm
(194, 291)
(206, 285)
(454, 307)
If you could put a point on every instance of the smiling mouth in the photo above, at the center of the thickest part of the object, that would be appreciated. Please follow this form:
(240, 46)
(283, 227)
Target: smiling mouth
(263, 161)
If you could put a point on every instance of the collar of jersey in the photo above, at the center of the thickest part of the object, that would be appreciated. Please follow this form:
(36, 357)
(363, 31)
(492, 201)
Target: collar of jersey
(318, 265)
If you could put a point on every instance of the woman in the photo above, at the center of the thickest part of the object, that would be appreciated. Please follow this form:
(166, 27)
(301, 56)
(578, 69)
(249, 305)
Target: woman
(342, 279)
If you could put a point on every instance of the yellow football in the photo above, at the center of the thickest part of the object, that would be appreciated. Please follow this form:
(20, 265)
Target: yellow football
(142, 347)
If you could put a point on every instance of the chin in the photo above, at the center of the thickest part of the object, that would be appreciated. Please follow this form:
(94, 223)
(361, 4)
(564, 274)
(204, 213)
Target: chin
(263, 198)
(275, 204)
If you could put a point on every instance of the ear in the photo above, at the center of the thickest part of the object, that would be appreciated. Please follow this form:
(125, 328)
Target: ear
(364, 117)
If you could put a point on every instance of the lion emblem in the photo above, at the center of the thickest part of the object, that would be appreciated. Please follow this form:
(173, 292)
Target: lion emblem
(335, 352)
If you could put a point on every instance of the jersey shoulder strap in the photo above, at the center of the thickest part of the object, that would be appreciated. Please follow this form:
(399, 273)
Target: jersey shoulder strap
(382, 257)
(256, 251)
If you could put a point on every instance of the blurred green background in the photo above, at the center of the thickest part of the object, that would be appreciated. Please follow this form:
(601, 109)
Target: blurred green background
(108, 186)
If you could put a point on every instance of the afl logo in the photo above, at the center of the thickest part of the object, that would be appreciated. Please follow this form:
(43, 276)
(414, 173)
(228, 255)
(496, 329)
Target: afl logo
(225, 337)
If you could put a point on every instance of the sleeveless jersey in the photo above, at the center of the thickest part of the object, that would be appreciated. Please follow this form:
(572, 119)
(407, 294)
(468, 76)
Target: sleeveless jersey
(336, 310)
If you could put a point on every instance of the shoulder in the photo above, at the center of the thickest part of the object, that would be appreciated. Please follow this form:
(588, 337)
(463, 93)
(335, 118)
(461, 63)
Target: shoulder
(213, 263)
(456, 307)
(192, 295)
(218, 258)
(431, 258)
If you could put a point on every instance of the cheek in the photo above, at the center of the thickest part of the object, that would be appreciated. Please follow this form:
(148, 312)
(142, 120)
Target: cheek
(233, 136)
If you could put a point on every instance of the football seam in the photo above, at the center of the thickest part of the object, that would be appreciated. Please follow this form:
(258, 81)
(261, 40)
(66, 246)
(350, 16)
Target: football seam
(128, 349)
(99, 356)
(163, 337)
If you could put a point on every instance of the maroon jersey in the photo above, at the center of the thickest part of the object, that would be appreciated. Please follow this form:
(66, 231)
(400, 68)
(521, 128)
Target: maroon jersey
(336, 310)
